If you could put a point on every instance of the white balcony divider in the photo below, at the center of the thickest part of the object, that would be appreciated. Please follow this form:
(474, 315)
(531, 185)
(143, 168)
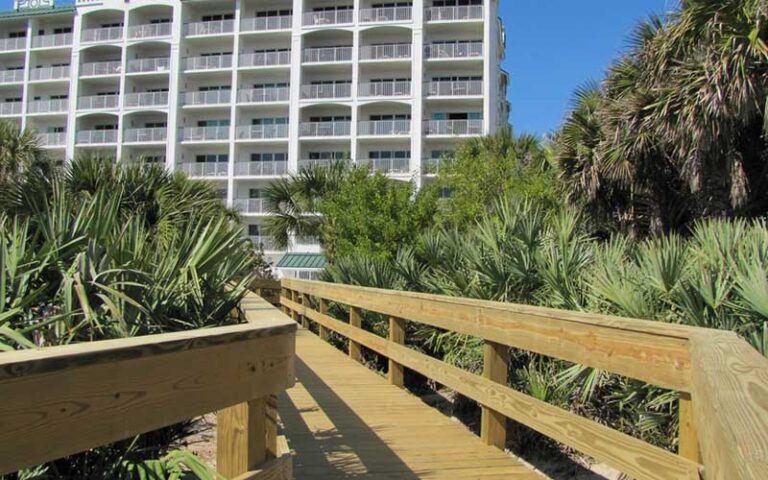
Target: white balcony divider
(267, 244)
(259, 132)
(454, 50)
(145, 99)
(265, 59)
(252, 205)
(386, 14)
(455, 88)
(145, 135)
(388, 165)
(208, 63)
(264, 95)
(54, 40)
(205, 169)
(216, 27)
(10, 108)
(385, 52)
(336, 90)
(146, 65)
(8, 44)
(450, 14)
(57, 139)
(102, 34)
(202, 134)
(454, 127)
(261, 169)
(384, 89)
(325, 129)
(150, 30)
(57, 105)
(91, 137)
(49, 73)
(331, 17)
(384, 127)
(98, 102)
(94, 69)
(327, 54)
(11, 76)
(211, 97)
(263, 24)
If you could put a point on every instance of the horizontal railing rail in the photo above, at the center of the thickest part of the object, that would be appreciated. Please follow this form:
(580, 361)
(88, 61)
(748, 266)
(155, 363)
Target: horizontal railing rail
(384, 89)
(96, 137)
(49, 73)
(145, 99)
(325, 129)
(386, 52)
(319, 92)
(327, 54)
(263, 95)
(459, 88)
(205, 169)
(454, 50)
(210, 97)
(56, 105)
(257, 132)
(387, 165)
(211, 62)
(98, 102)
(261, 169)
(386, 14)
(102, 34)
(190, 134)
(216, 27)
(144, 135)
(147, 65)
(265, 59)
(54, 40)
(332, 17)
(11, 76)
(263, 24)
(451, 14)
(150, 30)
(10, 108)
(52, 139)
(7, 44)
(93, 69)
(384, 127)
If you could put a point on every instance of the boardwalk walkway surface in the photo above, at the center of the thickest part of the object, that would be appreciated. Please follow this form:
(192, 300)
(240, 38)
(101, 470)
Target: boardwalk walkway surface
(345, 421)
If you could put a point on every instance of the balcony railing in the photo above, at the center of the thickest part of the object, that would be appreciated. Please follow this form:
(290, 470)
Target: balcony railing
(49, 73)
(57, 139)
(384, 127)
(454, 50)
(208, 63)
(265, 59)
(325, 129)
(150, 30)
(98, 102)
(386, 14)
(252, 205)
(455, 88)
(11, 76)
(261, 169)
(263, 95)
(10, 108)
(8, 44)
(454, 127)
(388, 165)
(385, 52)
(95, 69)
(50, 41)
(205, 169)
(264, 24)
(147, 65)
(265, 243)
(216, 27)
(430, 166)
(327, 54)
(58, 105)
(332, 17)
(384, 89)
(211, 97)
(203, 134)
(315, 162)
(102, 34)
(96, 137)
(451, 14)
(261, 132)
(145, 135)
(145, 99)
(336, 90)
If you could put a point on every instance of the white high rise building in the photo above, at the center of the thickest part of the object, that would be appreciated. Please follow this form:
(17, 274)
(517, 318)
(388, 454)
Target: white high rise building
(240, 92)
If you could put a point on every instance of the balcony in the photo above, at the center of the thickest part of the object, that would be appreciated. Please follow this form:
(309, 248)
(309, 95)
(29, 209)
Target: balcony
(11, 76)
(11, 44)
(453, 127)
(265, 59)
(149, 65)
(205, 169)
(98, 102)
(384, 128)
(388, 165)
(454, 50)
(268, 244)
(96, 137)
(430, 166)
(217, 27)
(10, 108)
(59, 105)
(395, 51)
(386, 14)
(327, 54)
(252, 205)
(261, 169)
(332, 17)
(315, 162)
(264, 95)
(145, 99)
(261, 132)
(328, 91)
(471, 88)
(212, 97)
(41, 74)
(145, 135)
(204, 134)
(325, 129)
(453, 14)
(109, 34)
(99, 69)
(212, 62)
(266, 24)
(150, 30)
(384, 89)
(52, 41)
(58, 139)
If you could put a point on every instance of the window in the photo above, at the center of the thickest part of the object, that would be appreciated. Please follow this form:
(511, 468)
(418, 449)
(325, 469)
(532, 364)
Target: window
(256, 193)
(272, 50)
(156, 90)
(158, 21)
(274, 13)
(389, 80)
(270, 121)
(335, 8)
(440, 154)
(156, 125)
(456, 78)
(19, 34)
(331, 82)
(328, 155)
(212, 158)
(269, 157)
(112, 25)
(253, 231)
(105, 127)
(392, 4)
(218, 17)
(399, 116)
(224, 122)
(215, 54)
(458, 116)
(336, 118)
(258, 86)
(56, 129)
(12, 99)
(214, 88)
(60, 30)
(154, 158)
(456, 3)
(387, 154)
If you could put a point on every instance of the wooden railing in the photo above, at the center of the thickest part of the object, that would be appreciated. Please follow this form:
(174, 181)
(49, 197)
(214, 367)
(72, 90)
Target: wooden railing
(63, 400)
(723, 382)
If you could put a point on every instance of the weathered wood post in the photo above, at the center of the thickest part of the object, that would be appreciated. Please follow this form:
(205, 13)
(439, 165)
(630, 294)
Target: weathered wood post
(493, 425)
(356, 320)
(396, 372)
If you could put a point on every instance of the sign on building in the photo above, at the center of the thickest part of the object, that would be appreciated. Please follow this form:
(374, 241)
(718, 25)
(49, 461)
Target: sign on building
(32, 4)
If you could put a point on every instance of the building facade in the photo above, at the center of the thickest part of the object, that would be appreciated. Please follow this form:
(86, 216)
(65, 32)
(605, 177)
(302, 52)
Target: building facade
(241, 92)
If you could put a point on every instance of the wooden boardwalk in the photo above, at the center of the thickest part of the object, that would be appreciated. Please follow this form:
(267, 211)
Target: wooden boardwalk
(345, 421)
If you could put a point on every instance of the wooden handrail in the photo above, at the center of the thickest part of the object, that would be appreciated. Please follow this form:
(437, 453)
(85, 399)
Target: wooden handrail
(697, 362)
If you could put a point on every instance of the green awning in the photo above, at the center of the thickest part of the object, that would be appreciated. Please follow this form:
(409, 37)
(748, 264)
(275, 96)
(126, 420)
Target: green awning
(302, 261)
(33, 12)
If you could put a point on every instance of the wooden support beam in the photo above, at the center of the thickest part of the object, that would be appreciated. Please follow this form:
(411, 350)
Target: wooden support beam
(396, 372)
(688, 442)
(305, 301)
(324, 332)
(493, 426)
(285, 293)
(294, 312)
(355, 320)
(241, 437)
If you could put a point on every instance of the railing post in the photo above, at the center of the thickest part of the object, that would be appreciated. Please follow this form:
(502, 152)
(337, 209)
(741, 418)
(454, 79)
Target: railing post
(242, 443)
(687, 442)
(493, 425)
(285, 293)
(294, 314)
(324, 310)
(396, 372)
(306, 304)
(356, 320)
